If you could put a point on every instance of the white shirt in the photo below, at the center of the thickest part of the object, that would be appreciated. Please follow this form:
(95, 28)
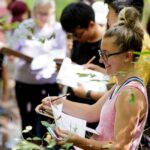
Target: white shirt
(33, 41)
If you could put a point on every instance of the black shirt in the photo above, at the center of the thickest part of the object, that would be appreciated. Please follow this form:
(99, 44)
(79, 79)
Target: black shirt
(1, 64)
(81, 54)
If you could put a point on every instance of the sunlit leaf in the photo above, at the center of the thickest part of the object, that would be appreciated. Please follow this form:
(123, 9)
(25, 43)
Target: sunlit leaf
(29, 139)
(25, 131)
(51, 144)
(14, 25)
(36, 139)
(48, 138)
(46, 124)
(82, 74)
(25, 145)
(67, 146)
(3, 19)
(141, 53)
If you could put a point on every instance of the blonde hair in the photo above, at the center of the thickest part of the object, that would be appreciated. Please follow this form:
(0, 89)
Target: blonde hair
(38, 3)
(128, 30)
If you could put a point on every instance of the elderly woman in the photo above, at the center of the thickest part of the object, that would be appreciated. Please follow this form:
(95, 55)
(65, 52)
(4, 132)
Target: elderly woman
(36, 36)
(122, 111)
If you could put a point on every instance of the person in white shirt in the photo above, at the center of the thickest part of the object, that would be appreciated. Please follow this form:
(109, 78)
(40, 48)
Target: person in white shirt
(35, 37)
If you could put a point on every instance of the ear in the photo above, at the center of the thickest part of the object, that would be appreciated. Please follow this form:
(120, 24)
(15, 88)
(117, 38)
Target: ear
(91, 24)
(128, 56)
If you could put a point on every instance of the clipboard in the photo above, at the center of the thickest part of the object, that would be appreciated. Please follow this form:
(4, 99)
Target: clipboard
(8, 51)
(45, 113)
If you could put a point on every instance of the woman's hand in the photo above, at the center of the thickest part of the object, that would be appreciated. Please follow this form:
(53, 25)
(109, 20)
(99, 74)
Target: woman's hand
(47, 102)
(67, 136)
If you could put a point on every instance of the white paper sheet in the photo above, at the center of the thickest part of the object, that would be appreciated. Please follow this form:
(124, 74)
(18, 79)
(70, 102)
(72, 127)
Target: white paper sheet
(72, 74)
(67, 122)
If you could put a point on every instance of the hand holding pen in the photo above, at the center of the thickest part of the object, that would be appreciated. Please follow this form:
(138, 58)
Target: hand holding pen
(45, 107)
(50, 100)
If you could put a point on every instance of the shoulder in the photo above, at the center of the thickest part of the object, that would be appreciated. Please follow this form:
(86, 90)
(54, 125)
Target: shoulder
(131, 100)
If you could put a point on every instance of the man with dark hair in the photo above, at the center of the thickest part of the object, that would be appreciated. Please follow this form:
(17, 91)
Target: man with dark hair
(79, 19)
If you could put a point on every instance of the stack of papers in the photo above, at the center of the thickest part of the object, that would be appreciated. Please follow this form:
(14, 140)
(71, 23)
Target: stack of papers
(67, 122)
(70, 123)
(73, 75)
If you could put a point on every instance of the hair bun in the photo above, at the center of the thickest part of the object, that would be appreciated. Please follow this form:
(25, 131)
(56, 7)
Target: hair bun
(129, 17)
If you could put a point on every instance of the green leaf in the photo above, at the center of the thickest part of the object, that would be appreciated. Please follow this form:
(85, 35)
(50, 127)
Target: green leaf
(30, 29)
(14, 25)
(46, 124)
(132, 99)
(51, 144)
(29, 139)
(67, 146)
(92, 75)
(36, 139)
(82, 74)
(3, 19)
(29, 128)
(141, 53)
(25, 145)
(41, 40)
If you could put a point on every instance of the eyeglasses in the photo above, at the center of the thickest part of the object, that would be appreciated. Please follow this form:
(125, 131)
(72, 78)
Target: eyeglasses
(105, 56)
(44, 14)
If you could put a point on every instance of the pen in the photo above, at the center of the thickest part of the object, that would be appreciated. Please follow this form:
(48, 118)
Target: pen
(91, 60)
(61, 97)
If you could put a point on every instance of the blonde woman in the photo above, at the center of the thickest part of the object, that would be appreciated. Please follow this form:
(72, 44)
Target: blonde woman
(122, 111)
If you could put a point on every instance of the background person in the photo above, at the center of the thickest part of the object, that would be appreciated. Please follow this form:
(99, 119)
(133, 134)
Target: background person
(35, 41)
(87, 36)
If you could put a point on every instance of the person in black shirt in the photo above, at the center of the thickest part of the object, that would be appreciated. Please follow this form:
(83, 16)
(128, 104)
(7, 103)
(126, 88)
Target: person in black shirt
(79, 19)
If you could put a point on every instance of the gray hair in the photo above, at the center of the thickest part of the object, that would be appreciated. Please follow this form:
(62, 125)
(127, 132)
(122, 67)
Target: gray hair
(38, 3)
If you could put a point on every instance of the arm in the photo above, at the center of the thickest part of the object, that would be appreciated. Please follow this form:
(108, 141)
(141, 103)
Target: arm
(81, 92)
(86, 144)
(128, 114)
(90, 113)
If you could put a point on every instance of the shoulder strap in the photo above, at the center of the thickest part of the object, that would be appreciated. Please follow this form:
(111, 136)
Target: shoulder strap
(128, 81)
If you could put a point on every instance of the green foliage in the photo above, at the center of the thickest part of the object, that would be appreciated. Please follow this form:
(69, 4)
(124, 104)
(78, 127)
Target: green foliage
(86, 75)
(45, 124)
(25, 145)
(60, 5)
(141, 53)
(67, 146)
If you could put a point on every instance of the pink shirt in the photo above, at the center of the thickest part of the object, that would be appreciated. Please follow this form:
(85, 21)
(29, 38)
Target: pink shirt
(105, 127)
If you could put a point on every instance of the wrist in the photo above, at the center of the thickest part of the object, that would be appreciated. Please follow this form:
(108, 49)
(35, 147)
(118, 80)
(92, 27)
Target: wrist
(88, 94)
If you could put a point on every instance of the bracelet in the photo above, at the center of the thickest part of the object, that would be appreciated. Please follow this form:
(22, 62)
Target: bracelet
(88, 94)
